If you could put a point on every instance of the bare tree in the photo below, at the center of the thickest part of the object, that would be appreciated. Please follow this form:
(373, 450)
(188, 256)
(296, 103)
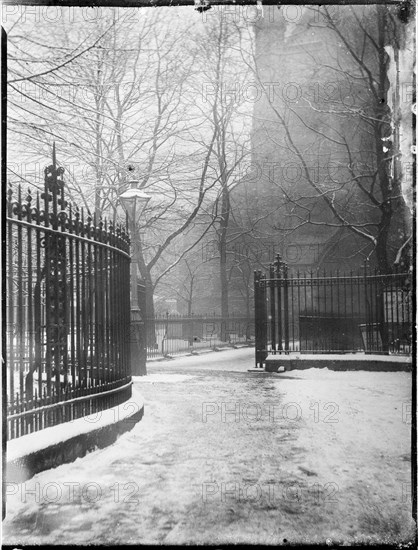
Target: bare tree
(130, 105)
(227, 118)
(347, 125)
(183, 282)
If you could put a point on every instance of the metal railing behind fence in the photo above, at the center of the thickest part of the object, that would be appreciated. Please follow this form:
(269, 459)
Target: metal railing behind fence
(176, 334)
(67, 310)
(319, 312)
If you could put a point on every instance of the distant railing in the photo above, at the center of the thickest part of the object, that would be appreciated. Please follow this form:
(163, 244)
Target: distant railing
(319, 312)
(67, 310)
(175, 334)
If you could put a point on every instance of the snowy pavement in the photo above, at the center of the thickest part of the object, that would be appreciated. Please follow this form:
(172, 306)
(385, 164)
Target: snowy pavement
(227, 456)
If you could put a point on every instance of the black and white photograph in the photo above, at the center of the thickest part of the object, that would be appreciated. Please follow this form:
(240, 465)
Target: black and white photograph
(208, 290)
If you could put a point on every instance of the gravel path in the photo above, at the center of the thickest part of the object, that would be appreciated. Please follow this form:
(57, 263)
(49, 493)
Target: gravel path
(227, 456)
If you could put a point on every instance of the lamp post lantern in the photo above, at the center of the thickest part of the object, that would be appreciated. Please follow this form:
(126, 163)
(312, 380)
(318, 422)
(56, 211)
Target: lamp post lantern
(134, 201)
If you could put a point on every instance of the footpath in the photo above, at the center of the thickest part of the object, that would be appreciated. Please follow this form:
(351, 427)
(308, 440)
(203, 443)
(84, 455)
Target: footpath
(227, 456)
(33, 453)
(48, 448)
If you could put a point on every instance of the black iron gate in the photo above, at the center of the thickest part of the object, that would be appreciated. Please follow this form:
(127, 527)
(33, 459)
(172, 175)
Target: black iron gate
(320, 312)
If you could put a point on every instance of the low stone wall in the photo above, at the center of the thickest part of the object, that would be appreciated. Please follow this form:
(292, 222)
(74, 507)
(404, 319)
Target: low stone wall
(49, 448)
(339, 362)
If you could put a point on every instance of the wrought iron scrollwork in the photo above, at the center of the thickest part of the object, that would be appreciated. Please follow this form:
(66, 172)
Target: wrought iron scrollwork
(67, 308)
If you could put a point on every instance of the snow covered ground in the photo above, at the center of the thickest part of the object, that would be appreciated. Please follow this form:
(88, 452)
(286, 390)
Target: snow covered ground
(55, 435)
(227, 456)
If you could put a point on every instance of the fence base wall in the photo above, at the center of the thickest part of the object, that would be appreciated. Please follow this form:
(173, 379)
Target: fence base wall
(342, 363)
(93, 435)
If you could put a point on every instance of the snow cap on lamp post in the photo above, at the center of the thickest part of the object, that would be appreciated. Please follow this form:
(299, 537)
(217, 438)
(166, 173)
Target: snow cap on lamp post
(134, 201)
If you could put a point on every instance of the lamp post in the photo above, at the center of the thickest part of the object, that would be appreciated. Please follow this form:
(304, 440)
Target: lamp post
(134, 201)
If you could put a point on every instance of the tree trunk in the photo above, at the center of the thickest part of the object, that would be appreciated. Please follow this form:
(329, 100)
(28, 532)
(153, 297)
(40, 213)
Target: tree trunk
(145, 274)
(150, 312)
(248, 313)
(224, 288)
(382, 238)
(223, 263)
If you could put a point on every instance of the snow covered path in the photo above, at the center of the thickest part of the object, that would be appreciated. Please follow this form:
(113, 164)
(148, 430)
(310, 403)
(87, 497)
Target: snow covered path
(223, 455)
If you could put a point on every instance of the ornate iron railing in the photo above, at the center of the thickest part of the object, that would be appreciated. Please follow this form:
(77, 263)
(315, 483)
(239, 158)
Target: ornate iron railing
(67, 310)
(175, 334)
(319, 312)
